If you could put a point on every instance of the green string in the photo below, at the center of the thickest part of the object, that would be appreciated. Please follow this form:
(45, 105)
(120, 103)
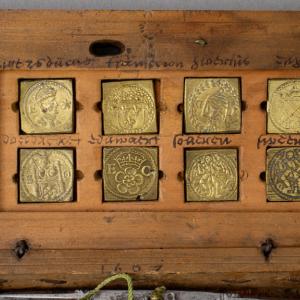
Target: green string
(106, 281)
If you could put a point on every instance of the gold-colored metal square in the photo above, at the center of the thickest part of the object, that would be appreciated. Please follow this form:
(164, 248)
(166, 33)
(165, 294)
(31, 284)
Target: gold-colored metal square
(282, 175)
(129, 107)
(46, 106)
(130, 173)
(212, 105)
(283, 106)
(46, 175)
(211, 174)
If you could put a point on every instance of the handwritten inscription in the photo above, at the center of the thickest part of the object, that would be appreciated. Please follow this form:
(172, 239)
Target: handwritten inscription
(146, 64)
(44, 62)
(32, 140)
(233, 61)
(128, 60)
(288, 61)
(136, 268)
(200, 140)
(120, 140)
(287, 140)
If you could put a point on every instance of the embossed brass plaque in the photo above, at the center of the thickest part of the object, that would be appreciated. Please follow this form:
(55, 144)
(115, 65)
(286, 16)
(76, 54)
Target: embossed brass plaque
(46, 106)
(283, 107)
(211, 174)
(46, 175)
(130, 173)
(283, 174)
(129, 107)
(212, 105)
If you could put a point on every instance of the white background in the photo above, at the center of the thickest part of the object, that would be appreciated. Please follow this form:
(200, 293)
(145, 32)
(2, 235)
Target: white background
(153, 4)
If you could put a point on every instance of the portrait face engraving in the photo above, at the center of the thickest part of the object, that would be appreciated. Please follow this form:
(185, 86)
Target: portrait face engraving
(130, 173)
(46, 106)
(212, 105)
(283, 107)
(129, 107)
(46, 175)
(211, 175)
(282, 176)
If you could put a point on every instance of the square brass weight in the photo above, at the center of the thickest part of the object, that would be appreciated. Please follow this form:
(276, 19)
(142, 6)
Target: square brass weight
(130, 173)
(212, 105)
(211, 174)
(46, 175)
(283, 107)
(46, 106)
(129, 107)
(283, 174)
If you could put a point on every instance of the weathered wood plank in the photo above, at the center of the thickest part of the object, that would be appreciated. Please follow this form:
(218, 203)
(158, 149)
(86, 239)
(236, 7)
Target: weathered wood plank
(189, 268)
(134, 230)
(153, 40)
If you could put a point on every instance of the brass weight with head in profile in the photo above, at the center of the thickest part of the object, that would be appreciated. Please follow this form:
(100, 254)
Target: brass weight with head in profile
(46, 106)
(212, 105)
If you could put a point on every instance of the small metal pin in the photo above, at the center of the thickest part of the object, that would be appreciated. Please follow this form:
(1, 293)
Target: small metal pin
(201, 42)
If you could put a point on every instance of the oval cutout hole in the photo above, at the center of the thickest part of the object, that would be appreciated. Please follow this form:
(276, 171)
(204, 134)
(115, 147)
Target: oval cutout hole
(106, 48)
(161, 174)
(79, 106)
(15, 106)
(262, 176)
(243, 105)
(98, 175)
(15, 178)
(180, 107)
(263, 105)
(180, 176)
(98, 106)
(79, 175)
(162, 107)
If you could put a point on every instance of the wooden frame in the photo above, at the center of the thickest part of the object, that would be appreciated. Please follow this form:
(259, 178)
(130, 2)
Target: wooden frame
(186, 245)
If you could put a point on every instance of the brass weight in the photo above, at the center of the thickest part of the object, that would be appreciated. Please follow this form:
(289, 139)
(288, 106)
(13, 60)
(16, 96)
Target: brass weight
(46, 106)
(46, 175)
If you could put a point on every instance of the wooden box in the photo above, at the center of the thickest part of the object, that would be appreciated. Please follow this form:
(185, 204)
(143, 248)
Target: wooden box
(172, 242)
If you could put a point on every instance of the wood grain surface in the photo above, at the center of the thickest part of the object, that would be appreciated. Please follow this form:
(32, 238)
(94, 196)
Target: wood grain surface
(152, 40)
(169, 241)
